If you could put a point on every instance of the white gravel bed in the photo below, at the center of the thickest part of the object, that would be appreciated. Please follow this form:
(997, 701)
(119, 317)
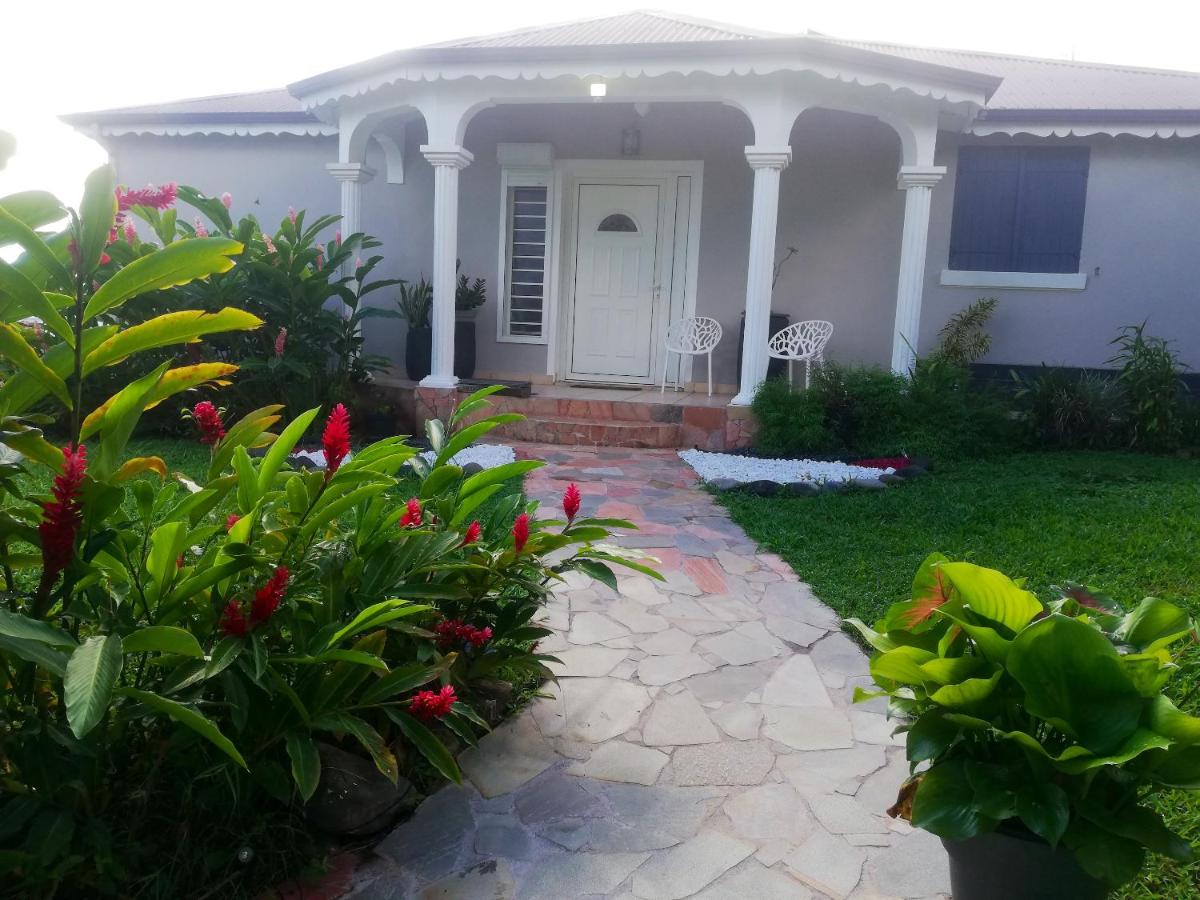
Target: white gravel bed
(711, 466)
(486, 455)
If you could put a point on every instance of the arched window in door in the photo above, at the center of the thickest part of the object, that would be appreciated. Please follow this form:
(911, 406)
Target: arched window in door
(617, 222)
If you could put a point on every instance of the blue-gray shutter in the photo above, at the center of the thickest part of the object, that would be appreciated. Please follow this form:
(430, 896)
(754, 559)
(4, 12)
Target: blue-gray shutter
(1053, 191)
(985, 209)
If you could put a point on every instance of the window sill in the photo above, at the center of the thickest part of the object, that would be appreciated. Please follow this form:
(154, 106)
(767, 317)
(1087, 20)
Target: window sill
(520, 339)
(1026, 281)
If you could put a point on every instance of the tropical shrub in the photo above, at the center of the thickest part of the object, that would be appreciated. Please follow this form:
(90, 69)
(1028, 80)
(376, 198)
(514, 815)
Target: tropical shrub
(1066, 408)
(172, 649)
(1038, 718)
(964, 338)
(415, 302)
(1150, 371)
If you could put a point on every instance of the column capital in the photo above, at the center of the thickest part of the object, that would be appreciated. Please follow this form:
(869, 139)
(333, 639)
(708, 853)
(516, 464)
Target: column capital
(453, 155)
(350, 171)
(768, 157)
(919, 176)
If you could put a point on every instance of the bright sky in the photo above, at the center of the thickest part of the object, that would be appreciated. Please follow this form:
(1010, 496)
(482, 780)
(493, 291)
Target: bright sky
(75, 55)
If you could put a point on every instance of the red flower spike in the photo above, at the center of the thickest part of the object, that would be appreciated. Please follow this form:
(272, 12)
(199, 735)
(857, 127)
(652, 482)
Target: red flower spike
(571, 501)
(412, 514)
(473, 532)
(208, 420)
(268, 597)
(520, 532)
(430, 705)
(336, 440)
(231, 520)
(62, 516)
(233, 620)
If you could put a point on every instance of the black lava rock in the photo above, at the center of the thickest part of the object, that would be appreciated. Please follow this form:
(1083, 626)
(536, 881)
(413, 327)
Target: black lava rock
(763, 488)
(802, 489)
(724, 484)
(908, 473)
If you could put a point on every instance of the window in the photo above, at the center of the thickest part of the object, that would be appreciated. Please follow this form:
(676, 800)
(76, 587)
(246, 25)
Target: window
(1019, 209)
(527, 212)
(617, 222)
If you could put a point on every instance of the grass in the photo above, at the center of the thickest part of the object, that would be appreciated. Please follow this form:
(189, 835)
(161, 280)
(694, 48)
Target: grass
(1126, 524)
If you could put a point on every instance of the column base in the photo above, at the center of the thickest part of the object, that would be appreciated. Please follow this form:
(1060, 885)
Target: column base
(743, 398)
(440, 381)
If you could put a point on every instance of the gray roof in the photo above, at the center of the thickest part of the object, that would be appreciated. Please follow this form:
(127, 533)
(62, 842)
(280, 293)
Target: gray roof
(275, 105)
(1030, 87)
(643, 26)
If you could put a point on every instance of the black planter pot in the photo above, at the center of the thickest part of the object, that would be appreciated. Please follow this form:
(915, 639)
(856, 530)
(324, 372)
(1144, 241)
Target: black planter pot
(1004, 866)
(464, 348)
(776, 368)
(418, 353)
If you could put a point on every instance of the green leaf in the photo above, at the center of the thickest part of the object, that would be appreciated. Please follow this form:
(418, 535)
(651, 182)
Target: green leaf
(20, 298)
(945, 804)
(1045, 810)
(367, 736)
(966, 693)
(175, 264)
(427, 743)
(97, 212)
(1073, 679)
(19, 626)
(16, 350)
(223, 656)
(306, 763)
(497, 474)
(163, 639)
(13, 229)
(165, 330)
(275, 457)
(902, 664)
(185, 715)
(992, 594)
(469, 435)
(1154, 624)
(92, 672)
(120, 418)
(438, 480)
(35, 652)
(1168, 720)
(166, 543)
(1102, 854)
(929, 737)
(403, 679)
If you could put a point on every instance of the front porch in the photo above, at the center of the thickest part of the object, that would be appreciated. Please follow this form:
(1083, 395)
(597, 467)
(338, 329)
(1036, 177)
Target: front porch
(581, 416)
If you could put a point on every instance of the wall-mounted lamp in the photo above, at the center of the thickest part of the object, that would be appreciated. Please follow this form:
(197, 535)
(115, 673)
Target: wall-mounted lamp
(631, 141)
(598, 89)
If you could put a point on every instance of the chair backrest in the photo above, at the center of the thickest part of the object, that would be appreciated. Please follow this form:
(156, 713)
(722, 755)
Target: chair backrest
(693, 334)
(800, 340)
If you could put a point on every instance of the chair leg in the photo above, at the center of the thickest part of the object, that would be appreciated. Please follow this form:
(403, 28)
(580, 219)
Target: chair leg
(710, 373)
(807, 374)
(791, 381)
(666, 365)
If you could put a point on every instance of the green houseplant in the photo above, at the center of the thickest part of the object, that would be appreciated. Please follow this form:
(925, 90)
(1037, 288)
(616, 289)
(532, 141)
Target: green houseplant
(468, 297)
(416, 301)
(1035, 729)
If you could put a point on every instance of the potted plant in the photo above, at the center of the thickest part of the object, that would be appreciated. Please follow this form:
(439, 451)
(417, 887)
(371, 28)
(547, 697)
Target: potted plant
(1035, 730)
(468, 297)
(416, 300)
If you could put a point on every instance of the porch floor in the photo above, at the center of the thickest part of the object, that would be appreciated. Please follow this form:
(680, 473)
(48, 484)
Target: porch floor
(602, 416)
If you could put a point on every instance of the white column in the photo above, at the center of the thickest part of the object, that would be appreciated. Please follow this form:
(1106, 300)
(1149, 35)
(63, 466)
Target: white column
(764, 218)
(351, 177)
(917, 183)
(446, 159)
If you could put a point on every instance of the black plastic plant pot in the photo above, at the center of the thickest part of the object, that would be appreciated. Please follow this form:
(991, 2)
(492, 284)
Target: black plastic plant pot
(464, 348)
(418, 353)
(1002, 866)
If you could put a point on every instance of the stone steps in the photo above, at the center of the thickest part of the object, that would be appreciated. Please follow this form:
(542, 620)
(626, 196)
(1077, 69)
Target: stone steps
(591, 432)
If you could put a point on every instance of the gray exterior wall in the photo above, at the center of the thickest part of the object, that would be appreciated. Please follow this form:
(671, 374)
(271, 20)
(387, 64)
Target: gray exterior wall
(839, 207)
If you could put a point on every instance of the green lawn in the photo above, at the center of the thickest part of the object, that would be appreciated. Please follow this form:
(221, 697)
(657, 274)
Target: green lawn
(1124, 523)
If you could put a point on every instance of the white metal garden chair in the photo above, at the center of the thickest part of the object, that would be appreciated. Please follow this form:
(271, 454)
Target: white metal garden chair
(801, 342)
(691, 336)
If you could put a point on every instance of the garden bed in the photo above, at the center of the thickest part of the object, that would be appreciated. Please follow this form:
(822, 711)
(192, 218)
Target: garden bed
(764, 475)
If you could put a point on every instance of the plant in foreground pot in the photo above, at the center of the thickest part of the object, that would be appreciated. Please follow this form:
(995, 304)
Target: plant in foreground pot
(1036, 730)
(416, 301)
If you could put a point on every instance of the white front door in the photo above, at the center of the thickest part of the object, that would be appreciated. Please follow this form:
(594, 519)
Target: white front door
(615, 291)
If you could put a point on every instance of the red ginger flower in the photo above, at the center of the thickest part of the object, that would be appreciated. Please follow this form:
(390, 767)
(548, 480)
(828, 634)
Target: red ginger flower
(155, 198)
(280, 341)
(62, 516)
(429, 705)
(233, 620)
(453, 631)
(231, 520)
(412, 514)
(268, 597)
(571, 501)
(208, 420)
(336, 440)
(520, 532)
(473, 532)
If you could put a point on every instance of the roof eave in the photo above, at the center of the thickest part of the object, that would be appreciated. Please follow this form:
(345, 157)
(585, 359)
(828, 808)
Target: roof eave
(1167, 116)
(748, 48)
(181, 118)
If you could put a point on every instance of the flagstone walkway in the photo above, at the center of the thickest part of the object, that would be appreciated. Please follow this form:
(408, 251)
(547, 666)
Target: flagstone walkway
(700, 741)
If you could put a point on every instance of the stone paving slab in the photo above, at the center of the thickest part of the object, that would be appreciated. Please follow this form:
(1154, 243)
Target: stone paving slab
(699, 741)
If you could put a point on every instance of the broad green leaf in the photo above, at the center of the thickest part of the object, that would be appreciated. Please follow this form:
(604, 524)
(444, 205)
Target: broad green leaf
(185, 715)
(367, 736)
(1102, 854)
(16, 350)
(36, 652)
(966, 693)
(22, 390)
(18, 626)
(35, 209)
(247, 480)
(880, 642)
(166, 543)
(945, 804)
(403, 679)
(14, 230)
(32, 444)
(469, 435)
(306, 763)
(929, 737)
(1073, 679)
(92, 672)
(426, 742)
(497, 474)
(20, 298)
(992, 594)
(173, 382)
(1154, 624)
(119, 421)
(175, 264)
(902, 664)
(1045, 810)
(1170, 721)
(275, 457)
(439, 479)
(170, 328)
(477, 400)
(140, 465)
(97, 212)
(163, 639)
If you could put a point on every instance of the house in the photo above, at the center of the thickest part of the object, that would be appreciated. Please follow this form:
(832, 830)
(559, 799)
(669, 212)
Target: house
(610, 176)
